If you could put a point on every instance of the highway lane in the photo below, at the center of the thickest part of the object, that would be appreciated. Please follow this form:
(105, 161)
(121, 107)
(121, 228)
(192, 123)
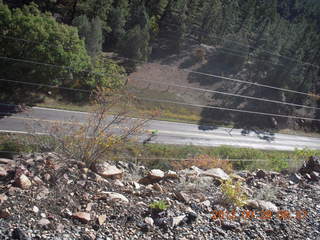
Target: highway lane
(170, 132)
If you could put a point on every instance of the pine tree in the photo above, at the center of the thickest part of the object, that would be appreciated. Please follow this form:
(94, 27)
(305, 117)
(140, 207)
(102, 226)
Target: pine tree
(95, 40)
(118, 20)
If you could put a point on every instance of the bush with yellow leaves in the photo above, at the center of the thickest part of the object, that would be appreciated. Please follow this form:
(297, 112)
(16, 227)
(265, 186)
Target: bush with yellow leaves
(91, 139)
(233, 193)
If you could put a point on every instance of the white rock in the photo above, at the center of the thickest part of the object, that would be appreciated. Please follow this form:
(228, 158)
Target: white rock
(108, 171)
(116, 197)
(171, 174)
(35, 209)
(177, 220)
(149, 220)
(216, 173)
(260, 204)
(43, 222)
(23, 182)
(118, 183)
(156, 174)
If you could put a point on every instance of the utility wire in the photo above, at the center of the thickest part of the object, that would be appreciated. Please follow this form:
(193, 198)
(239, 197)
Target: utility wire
(173, 85)
(228, 94)
(227, 109)
(226, 78)
(225, 50)
(186, 70)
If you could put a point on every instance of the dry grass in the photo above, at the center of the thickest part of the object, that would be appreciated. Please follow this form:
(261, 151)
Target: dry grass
(205, 162)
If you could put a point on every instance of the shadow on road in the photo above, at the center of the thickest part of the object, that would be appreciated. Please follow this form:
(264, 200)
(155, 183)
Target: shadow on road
(206, 128)
(262, 134)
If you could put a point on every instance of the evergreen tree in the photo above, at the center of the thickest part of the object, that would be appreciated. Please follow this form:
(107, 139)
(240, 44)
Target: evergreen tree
(118, 20)
(95, 40)
(135, 44)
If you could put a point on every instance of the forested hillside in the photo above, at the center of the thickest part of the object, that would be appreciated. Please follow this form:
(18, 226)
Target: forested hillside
(270, 42)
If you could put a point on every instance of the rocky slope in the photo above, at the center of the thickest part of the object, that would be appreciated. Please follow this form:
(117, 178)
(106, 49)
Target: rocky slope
(44, 196)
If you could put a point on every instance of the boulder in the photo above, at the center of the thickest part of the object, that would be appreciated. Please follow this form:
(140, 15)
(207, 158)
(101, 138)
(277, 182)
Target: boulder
(82, 216)
(107, 171)
(217, 173)
(155, 175)
(171, 174)
(23, 182)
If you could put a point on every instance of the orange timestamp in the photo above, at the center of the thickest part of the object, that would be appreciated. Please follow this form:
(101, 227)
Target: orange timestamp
(262, 215)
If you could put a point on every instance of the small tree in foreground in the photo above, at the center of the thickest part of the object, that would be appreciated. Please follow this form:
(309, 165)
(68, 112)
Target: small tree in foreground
(91, 139)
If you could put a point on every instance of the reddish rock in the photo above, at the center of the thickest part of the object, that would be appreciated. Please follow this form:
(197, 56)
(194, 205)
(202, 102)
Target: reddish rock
(82, 216)
(4, 213)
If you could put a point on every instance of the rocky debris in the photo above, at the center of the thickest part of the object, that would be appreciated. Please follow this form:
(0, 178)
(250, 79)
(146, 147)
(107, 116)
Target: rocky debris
(176, 221)
(113, 196)
(217, 173)
(155, 175)
(4, 213)
(3, 172)
(171, 174)
(7, 161)
(149, 221)
(313, 164)
(182, 196)
(66, 200)
(108, 171)
(23, 182)
(82, 216)
(295, 177)
(102, 219)
(43, 222)
(260, 204)
(261, 174)
(3, 198)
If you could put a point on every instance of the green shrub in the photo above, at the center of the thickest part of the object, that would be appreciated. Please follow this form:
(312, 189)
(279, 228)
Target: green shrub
(159, 205)
(233, 193)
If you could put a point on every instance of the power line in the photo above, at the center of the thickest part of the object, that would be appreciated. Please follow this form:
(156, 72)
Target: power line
(229, 94)
(211, 107)
(228, 109)
(214, 36)
(186, 70)
(226, 78)
(173, 85)
(44, 85)
(56, 66)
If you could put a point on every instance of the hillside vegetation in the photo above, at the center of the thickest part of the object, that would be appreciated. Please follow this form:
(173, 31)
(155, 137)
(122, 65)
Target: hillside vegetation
(267, 42)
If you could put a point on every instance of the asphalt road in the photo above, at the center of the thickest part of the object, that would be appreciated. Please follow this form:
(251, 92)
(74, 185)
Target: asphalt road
(169, 132)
